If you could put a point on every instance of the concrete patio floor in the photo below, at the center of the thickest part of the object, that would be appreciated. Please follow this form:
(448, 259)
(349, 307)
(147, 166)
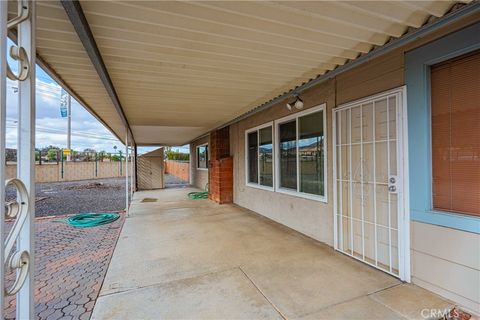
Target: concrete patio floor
(193, 259)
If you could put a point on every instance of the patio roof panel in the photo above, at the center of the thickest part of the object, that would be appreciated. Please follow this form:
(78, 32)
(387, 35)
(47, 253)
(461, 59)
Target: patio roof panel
(182, 68)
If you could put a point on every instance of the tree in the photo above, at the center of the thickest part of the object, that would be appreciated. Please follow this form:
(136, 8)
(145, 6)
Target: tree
(115, 157)
(89, 154)
(101, 155)
(176, 155)
(46, 149)
(52, 154)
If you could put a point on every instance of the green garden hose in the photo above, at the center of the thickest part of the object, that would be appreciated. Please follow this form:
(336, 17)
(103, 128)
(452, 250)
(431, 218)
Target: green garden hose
(196, 195)
(84, 220)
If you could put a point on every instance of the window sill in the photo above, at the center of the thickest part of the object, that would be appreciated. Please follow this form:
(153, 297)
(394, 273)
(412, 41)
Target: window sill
(302, 195)
(452, 220)
(258, 186)
(202, 169)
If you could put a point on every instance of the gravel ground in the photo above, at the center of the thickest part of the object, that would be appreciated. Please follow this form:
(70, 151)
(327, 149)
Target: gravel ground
(58, 198)
(174, 182)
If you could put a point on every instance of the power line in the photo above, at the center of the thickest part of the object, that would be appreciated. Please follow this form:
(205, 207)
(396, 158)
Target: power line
(96, 135)
(47, 87)
(58, 131)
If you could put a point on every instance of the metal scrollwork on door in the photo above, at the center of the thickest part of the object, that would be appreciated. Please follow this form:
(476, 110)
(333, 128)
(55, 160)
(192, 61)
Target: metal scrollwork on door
(18, 53)
(18, 260)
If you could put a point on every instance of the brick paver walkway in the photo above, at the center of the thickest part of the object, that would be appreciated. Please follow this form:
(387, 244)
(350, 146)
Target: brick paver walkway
(70, 267)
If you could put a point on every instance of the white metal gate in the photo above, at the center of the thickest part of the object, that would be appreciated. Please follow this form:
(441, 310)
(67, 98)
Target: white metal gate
(16, 251)
(371, 220)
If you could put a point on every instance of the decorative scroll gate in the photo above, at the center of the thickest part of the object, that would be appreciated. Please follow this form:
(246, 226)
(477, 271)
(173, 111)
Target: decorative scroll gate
(371, 218)
(20, 259)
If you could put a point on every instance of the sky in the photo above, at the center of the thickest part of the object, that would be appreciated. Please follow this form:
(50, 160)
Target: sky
(51, 128)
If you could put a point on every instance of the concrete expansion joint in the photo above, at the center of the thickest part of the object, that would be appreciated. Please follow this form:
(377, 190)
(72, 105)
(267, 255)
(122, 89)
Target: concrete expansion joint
(262, 293)
(355, 298)
(372, 296)
(166, 282)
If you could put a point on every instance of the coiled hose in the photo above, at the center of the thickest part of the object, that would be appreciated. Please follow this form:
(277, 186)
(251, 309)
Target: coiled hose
(196, 195)
(85, 220)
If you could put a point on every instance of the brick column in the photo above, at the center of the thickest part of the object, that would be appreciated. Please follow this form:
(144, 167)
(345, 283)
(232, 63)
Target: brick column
(220, 174)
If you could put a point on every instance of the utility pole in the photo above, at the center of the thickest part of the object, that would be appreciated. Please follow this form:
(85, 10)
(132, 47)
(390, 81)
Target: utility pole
(66, 112)
(69, 126)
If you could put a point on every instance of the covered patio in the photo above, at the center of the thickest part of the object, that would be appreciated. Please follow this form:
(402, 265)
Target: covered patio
(295, 113)
(178, 258)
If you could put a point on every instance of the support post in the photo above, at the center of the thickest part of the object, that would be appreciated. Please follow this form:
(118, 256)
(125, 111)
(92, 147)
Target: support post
(62, 168)
(121, 162)
(96, 164)
(136, 175)
(127, 202)
(132, 167)
(26, 158)
(3, 122)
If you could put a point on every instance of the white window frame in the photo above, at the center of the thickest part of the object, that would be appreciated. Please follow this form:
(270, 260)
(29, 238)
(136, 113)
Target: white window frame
(278, 122)
(258, 185)
(196, 156)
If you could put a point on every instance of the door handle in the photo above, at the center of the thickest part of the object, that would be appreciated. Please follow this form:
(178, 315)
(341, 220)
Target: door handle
(392, 184)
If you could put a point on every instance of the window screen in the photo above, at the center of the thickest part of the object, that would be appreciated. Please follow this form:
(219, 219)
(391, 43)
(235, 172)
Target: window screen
(288, 155)
(260, 156)
(455, 111)
(202, 157)
(310, 149)
(253, 157)
(266, 157)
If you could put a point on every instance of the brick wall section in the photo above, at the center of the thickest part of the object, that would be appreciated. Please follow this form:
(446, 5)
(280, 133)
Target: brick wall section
(178, 169)
(220, 144)
(220, 176)
(221, 180)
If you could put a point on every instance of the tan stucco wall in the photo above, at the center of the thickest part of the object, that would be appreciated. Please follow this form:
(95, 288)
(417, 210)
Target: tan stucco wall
(310, 217)
(199, 177)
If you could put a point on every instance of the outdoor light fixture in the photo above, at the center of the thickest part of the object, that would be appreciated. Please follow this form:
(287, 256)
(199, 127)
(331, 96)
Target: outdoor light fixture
(298, 103)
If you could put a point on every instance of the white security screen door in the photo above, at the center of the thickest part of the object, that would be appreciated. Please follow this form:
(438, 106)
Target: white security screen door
(370, 216)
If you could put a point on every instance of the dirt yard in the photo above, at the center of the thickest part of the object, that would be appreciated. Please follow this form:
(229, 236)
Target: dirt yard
(72, 197)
